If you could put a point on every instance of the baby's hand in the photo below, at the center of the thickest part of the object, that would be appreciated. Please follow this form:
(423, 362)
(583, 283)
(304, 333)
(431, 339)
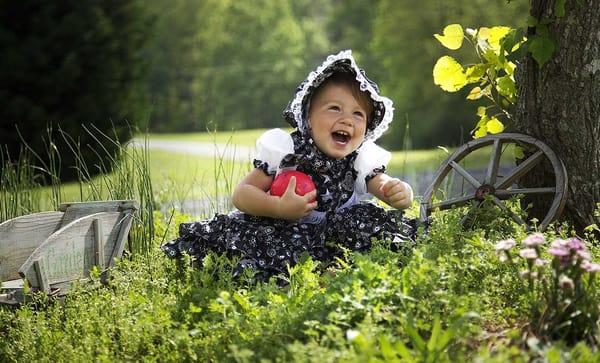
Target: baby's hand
(397, 193)
(293, 206)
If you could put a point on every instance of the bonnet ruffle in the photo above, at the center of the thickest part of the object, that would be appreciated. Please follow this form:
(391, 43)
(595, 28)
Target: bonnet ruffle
(297, 109)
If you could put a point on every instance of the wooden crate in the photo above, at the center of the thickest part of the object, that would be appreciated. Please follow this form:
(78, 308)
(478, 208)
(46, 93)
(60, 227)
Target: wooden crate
(52, 249)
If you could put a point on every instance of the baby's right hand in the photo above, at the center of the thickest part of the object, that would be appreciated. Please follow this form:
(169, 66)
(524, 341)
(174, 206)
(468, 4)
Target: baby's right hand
(293, 206)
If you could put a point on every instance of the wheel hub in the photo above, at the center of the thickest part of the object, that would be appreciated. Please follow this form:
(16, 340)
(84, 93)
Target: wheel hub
(483, 191)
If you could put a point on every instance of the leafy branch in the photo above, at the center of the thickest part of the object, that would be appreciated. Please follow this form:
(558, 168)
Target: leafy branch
(498, 49)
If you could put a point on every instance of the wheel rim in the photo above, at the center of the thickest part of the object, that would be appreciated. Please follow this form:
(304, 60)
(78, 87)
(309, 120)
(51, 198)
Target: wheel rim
(494, 186)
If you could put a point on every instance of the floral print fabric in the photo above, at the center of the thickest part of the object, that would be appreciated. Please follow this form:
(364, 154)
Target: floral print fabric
(269, 245)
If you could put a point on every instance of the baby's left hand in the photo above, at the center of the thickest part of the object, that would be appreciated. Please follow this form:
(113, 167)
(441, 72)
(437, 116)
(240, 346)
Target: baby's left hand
(396, 193)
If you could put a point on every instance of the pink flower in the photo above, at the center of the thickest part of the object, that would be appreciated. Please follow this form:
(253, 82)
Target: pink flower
(590, 267)
(560, 243)
(536, 239)
(576, 244)
(528, 253)
(561, 252)
(540, 262)
(505, 245)
(584, 255)
(559, 248)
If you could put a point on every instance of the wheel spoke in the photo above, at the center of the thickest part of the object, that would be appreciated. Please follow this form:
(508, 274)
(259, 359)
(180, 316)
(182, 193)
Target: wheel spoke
(503, 206)
(520, 170)
(456, 202)
(492, 170)
(504, 193)
(468, 177)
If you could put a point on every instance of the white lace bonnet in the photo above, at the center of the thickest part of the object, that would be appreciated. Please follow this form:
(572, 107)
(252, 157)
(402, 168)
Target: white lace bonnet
(297, 109)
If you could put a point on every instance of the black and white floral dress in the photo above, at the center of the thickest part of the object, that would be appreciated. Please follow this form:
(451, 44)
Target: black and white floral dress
(344, 217)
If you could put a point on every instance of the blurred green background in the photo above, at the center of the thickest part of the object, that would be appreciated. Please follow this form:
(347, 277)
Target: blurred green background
(192, 65)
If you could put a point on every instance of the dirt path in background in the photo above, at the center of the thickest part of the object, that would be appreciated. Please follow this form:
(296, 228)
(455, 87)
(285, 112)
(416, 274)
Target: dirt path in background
(220, 151)
(419, 181)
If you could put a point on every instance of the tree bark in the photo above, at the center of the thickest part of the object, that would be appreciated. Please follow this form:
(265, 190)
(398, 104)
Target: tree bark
(560, 103)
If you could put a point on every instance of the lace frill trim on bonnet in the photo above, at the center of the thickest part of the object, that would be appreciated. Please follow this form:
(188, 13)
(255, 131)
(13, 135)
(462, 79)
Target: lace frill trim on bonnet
(383, 110)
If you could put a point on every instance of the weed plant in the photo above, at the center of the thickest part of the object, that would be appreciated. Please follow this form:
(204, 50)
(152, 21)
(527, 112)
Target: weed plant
(448, 300)
(125, 176)
(19, 189)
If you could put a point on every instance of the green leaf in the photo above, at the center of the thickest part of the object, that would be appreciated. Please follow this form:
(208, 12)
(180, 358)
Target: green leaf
(506, 86)
(449, 74)
(475, 94)
(481, 127)
(435, 333)
(492, 36)
(532, 21)
(519, 152)
(553, 355)
(414, 336)
(559, 8)
(492, 57)
(494, 126)
(518, 53)
(476, 72)
(512, 40)
(242, 301)
(452, 38)
(194, 308)
(542, 30)
(387, 350)
(541, 49)
(404, 351)
(481, 131)
(509, 68)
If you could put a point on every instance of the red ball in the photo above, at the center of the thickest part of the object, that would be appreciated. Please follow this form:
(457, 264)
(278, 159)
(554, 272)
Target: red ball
(304, 183)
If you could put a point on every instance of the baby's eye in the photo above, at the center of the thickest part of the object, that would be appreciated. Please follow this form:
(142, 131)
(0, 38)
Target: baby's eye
(334, 108)
(359, 114)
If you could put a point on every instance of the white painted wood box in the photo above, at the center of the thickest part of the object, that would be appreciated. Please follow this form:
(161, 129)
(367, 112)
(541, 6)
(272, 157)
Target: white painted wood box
(52, 249)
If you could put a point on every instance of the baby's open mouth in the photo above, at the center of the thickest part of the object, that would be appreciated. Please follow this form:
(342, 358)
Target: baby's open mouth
(341, 136)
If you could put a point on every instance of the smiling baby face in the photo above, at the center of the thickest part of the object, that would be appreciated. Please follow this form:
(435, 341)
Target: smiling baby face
(338, 118)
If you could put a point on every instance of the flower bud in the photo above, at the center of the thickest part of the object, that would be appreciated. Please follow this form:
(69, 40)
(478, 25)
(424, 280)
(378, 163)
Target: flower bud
(536, 239)
(505, 245)
(565, 283)
(528, 253)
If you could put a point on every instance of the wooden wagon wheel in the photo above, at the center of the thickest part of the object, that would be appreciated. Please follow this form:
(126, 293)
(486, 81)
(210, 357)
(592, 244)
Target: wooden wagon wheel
(492, 185)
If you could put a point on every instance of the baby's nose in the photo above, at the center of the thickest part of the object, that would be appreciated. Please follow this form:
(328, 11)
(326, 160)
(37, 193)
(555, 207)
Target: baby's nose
(347, 120)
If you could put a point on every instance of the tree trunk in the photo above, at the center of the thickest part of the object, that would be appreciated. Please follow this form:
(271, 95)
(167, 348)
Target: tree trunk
(560, 103)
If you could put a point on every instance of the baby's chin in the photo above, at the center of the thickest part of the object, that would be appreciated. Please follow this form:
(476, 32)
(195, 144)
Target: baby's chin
(339, 153)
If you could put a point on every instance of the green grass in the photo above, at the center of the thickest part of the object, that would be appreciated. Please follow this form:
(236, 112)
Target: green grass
(181, 176)
(173, 175)
(450, 299)
(237, 137)
(178, 176)
(187, 176)
(401, 162)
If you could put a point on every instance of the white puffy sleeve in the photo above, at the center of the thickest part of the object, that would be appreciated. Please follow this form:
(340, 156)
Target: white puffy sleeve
(271, 147)
(370, 157)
